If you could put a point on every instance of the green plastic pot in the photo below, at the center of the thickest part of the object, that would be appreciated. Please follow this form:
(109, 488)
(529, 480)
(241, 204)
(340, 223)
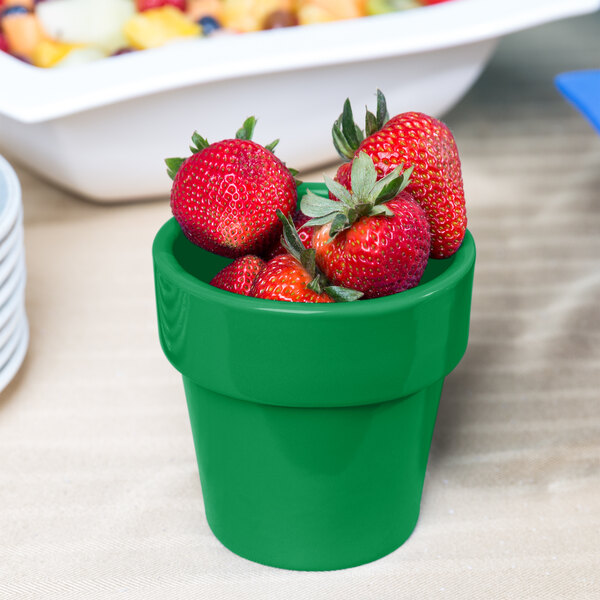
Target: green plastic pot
(312, 423)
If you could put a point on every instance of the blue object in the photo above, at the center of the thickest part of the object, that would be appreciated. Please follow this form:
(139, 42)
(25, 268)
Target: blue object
(582, 89)
(209, 25)
(14, 10)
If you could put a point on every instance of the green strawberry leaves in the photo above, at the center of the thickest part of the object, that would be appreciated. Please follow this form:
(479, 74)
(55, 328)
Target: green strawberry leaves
(290, 241)
(246, 131)
(381, 210)
(367, 198)
(347, 135)
(363, 175)
(173, 165)
(373, 123)
(340, 222)
(392, 184)
(317, 206)
(342, 294)
(339, 191)
(271, 147)
(306, 256)
(199, 143)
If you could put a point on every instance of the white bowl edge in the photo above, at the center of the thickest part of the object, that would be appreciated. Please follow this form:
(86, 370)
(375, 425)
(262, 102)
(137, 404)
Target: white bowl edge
(44, 94)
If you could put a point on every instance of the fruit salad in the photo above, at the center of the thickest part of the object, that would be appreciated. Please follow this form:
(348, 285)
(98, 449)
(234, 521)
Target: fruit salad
(395, 202)
(60, 33)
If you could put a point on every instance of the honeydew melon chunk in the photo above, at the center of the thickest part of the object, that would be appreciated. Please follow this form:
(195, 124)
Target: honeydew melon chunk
(89, 22)
(80, 56)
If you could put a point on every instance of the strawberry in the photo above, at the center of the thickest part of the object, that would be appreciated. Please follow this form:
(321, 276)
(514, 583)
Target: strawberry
(284, 278)
(424, 143)
(294, 276)
(239, 276)
(143, 5)
(226, 194)
(376, 239)
(343, 176)
(3, 43)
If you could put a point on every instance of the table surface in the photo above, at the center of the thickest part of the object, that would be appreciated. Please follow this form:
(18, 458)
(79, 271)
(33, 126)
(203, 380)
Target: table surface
(99, 490)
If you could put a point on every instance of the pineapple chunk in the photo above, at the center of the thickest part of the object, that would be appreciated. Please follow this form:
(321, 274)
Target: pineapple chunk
(249, 15)
(322, 11)
(158, 26)
(47, 53)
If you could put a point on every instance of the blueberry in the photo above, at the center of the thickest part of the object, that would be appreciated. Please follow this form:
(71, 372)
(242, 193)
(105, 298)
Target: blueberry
(14, 10)
(209, 25)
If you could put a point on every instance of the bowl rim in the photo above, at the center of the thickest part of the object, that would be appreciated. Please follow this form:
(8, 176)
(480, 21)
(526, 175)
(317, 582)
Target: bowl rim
(9, 211)
(167, 266)
(46, 94)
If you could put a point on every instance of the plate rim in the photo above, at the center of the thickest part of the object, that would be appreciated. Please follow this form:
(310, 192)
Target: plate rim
(11, 324)
(9, 262)
(10, 212)
(11, 344)
(15, 361)
(12, 236)
(15, 295)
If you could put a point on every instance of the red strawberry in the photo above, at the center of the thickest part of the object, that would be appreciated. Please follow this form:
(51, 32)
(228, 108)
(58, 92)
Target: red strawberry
(343, 176)
(305, 234)
(284, 278)
(226, 194)
(415, 140)
(143, 5)
(239, 276)
(376, 240)
(3, 43)
(294, 276)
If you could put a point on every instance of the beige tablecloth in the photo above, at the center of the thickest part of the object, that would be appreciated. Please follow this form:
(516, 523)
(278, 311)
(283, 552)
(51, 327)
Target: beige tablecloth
(99, 490)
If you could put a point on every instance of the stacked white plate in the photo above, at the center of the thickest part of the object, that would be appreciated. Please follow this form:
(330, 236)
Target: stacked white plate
(14, 328)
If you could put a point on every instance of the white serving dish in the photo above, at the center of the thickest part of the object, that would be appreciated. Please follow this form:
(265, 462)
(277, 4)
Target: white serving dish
(103, 129)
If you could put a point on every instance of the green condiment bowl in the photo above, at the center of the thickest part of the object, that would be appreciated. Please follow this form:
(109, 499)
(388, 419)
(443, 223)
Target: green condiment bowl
(312, 423)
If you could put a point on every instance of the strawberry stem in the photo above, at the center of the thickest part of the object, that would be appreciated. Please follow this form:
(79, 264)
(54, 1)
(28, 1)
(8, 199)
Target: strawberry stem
(173, 165)
(271, 147)
(347, 135)
(383, 115)
(199, 143)
(246, 131)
